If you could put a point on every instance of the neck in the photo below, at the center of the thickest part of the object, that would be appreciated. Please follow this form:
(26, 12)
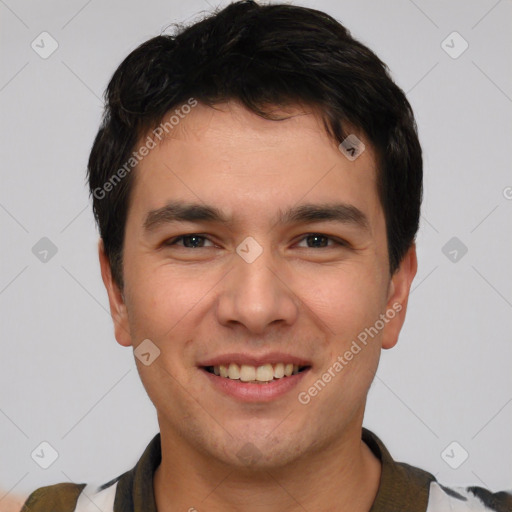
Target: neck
(343, 477)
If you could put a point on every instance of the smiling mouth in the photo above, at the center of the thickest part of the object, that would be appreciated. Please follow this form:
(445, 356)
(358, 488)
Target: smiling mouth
(256, 374)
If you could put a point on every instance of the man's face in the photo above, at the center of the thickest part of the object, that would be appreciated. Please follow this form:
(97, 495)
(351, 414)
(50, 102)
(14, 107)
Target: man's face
(257, 284)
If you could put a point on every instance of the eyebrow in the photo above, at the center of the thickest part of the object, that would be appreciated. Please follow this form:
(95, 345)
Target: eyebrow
(176, 211)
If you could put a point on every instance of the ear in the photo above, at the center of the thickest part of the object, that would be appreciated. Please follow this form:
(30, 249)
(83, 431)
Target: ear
(398, 295)
(115, 299)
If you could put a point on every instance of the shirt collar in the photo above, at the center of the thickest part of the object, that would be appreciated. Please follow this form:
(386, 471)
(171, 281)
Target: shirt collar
(401, 487)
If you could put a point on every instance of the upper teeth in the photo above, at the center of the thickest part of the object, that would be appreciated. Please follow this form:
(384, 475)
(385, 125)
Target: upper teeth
(264, 373)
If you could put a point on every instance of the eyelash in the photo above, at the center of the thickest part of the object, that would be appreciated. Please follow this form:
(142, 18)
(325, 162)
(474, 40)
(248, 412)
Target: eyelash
(174, 240)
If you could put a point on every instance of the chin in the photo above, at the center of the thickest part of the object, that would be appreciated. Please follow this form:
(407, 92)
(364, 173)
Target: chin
(258, 451)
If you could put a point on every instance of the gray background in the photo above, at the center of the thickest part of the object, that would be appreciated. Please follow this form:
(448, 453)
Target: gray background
(63, 377)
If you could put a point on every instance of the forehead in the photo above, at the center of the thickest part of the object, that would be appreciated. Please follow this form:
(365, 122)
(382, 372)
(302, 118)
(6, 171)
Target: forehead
(250, 166)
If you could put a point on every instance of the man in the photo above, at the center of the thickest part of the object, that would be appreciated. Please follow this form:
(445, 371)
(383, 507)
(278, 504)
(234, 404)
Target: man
(257, 183)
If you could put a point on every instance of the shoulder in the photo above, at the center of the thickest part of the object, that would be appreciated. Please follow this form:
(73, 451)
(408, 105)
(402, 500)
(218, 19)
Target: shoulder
(68, 497)
(465, 499)
(58, 497)
(407, 488)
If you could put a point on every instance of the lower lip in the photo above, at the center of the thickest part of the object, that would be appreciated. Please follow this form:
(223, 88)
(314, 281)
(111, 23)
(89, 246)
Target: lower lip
(248, 392)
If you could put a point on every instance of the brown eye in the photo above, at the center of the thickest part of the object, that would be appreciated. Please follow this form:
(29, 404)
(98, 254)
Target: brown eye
(319, 240)
(192, 241)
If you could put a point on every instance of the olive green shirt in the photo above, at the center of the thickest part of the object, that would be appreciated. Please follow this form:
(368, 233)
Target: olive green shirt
(402, 488)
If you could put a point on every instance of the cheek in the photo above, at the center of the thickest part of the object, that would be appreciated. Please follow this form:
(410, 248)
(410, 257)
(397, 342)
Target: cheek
(346, 304)
(162, 299)
(345, 298)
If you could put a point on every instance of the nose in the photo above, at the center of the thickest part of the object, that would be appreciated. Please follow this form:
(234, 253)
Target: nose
(258, 294)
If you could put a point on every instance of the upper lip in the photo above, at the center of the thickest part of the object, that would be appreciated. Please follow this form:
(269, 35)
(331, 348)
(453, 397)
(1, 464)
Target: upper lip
(255, 360)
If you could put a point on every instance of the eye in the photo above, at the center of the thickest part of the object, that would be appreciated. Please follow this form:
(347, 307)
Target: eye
(197, 241)
(191, 241)
(319, 240)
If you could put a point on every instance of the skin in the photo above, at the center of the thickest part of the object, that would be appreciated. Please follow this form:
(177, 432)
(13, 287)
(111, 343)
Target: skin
(11, 502)
(195, 303)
